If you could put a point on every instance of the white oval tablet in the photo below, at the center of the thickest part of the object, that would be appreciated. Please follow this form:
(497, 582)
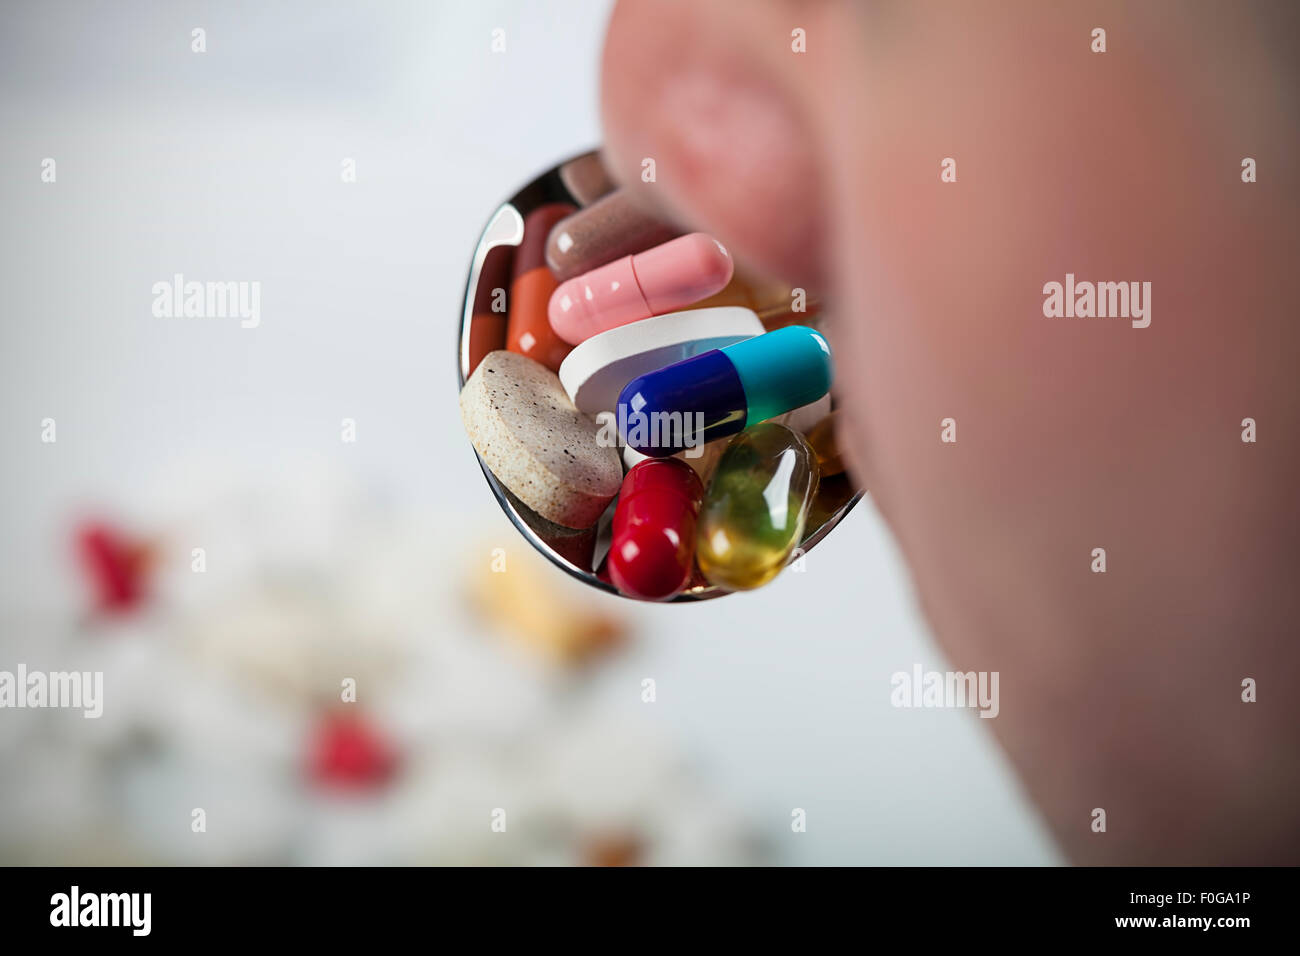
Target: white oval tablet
(596, 370)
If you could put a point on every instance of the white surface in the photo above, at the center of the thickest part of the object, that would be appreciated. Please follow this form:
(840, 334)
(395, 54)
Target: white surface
(226, 166)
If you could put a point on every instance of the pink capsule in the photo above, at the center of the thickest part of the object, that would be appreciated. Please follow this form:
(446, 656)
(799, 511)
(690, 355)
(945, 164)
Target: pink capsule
(663, 279)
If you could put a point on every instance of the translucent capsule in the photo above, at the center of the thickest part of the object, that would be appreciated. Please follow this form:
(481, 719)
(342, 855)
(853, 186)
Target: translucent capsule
(756, 507)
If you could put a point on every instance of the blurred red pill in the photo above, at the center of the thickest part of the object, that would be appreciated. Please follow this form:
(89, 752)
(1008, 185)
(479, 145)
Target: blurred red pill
(347, 752)
(116, 565)
(653, 547)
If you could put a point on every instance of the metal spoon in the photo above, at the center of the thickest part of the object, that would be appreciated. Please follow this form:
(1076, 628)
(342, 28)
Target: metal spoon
(581, 553)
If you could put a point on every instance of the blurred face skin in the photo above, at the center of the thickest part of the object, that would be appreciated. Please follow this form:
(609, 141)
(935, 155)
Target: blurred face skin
(1122, 690)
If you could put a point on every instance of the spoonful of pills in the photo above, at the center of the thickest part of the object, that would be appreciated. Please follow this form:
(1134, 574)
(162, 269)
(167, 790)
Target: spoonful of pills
(710, 497)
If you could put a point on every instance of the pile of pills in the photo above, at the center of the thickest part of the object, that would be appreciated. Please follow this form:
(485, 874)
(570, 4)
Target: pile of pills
(636, 384)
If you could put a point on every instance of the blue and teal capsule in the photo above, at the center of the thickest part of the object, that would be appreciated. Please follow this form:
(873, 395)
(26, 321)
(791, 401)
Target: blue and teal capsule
(724, 391)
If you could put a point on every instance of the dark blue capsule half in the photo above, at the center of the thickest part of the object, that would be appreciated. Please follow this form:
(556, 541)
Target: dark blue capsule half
(682, 405)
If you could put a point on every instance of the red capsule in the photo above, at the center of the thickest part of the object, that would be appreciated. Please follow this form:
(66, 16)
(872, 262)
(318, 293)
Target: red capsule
(654, 529)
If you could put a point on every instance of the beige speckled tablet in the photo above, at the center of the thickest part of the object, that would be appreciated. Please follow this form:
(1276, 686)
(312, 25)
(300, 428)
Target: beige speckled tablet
(536, 443)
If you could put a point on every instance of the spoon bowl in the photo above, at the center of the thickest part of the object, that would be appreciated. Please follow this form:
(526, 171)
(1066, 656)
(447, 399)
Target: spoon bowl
(582, 553)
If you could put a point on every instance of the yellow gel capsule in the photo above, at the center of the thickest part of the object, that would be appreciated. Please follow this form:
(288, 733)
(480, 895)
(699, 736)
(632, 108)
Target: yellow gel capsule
(756, 506)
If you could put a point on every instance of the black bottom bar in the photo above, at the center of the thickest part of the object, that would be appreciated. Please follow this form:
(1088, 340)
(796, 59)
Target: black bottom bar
(303, 905)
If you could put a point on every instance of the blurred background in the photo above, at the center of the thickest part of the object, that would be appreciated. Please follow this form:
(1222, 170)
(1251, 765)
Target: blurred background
(371, 559)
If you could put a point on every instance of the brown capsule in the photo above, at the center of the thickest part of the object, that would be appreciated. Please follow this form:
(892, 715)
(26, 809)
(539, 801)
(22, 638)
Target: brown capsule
(586, 179)
(609, 229)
